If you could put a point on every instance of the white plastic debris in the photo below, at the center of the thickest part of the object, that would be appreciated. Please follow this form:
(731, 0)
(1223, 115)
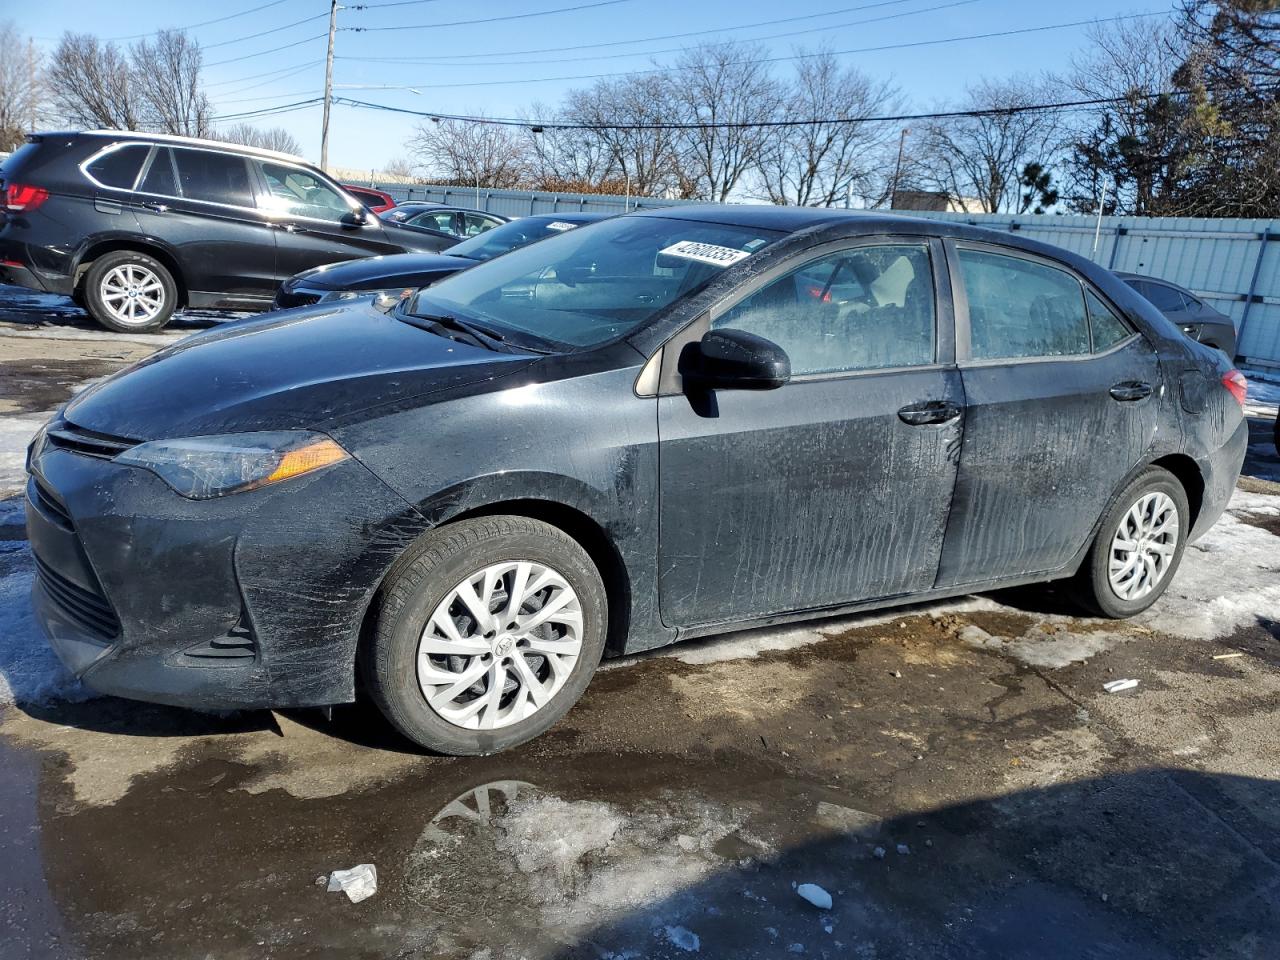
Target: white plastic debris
(815, 895)
(1119, 686)
(358, 883)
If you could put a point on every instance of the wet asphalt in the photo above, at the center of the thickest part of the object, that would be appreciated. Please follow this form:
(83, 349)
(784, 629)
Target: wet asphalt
(955, 798)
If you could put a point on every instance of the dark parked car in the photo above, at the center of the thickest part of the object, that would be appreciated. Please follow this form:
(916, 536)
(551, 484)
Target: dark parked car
(1197, 319)
(666, 425)
(455, 221)
(135, 225)
(375, 201)
(392, 278)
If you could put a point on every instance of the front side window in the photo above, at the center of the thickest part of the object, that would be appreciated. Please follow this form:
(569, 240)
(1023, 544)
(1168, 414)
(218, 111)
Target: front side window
(1022, 308)
(864, 308)
(119, 167)
(297, 193)
(213, 177)
(585, 287)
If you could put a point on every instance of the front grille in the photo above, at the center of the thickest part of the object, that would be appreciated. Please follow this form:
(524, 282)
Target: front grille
(65, 435)
(48, 504)
(88, 608)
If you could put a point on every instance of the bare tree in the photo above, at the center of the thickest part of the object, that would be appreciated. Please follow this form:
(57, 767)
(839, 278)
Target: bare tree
(92, 84)
(728, 87)
(272, 138)
(464, 152)
(166, 77)
(845, 155)
(570, 160)
(982, 159)
(21, 86)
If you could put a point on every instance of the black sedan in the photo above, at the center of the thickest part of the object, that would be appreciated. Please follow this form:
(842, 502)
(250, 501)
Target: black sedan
(393, 277)
(1184, 309)
(667, 425)
(460, 222)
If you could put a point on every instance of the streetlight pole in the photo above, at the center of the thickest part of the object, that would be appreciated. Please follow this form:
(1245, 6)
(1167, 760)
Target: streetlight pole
(328, 87)
(897, 170)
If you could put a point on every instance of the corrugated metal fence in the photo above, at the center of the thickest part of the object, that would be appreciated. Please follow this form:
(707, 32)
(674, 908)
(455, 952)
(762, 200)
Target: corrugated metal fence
(1233, 264)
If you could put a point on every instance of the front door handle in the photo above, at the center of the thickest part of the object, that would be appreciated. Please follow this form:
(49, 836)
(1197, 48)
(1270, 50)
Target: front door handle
(286, 227)
(930, 411)
(1128, 390)
(156, 207)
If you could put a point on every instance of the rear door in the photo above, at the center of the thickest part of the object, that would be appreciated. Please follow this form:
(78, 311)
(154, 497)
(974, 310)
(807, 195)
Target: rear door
(313, 220)
(201, 204)
(1060, 400)
(834, 488)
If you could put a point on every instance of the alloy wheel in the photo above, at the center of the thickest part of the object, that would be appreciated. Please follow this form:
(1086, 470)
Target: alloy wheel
(132, 294)
(1144, 545)
(500, 645)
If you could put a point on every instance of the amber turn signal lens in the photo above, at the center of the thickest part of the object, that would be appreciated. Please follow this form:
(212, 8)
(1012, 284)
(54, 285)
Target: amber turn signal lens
(306, 459)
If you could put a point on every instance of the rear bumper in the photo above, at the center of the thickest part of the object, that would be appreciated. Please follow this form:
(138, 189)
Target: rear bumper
(18, 267)
(248, 601)
(1221, 470)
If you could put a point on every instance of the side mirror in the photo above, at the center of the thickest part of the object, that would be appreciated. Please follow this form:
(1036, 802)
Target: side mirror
(737, 360)
(355, 218)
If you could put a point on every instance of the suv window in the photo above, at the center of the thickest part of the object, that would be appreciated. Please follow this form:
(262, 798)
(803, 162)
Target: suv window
(293, 191)
(864, 308)
(1108, 329)
(1022, 308)
(160, 178)
(213, 177)
(118, 167)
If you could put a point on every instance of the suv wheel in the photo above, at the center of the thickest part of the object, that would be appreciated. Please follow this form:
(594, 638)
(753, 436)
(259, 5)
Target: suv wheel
(486, 635)
(130, 292)
(1138, 547)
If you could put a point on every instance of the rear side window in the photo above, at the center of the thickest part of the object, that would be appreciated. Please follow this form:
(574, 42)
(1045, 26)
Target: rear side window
(441, 220)
(1108, 329)
(118, 168)
(213, 177)
(160, 177)
(1165, 298)
(1022, 308)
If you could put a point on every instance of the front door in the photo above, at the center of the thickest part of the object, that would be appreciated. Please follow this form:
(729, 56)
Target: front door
(1061, 405)
(314, 224)
(834, 488)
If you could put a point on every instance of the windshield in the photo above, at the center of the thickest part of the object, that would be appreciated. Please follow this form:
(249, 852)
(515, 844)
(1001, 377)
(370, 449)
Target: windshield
(509, 236)
(593, 284)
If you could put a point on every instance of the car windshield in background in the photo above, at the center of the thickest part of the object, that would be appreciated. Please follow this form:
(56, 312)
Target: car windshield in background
(510, 236)
(588, 286)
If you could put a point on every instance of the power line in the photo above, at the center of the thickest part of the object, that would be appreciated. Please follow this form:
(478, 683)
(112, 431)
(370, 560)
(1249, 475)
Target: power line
(299, 67)
(204, 23)
(619, 43)
(805, 56)
(267, 53)
(269, 111)
(749, 40)
(263, 33)
(510, 16)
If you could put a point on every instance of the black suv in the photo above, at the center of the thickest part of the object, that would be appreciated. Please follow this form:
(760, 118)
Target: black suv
(135, 225)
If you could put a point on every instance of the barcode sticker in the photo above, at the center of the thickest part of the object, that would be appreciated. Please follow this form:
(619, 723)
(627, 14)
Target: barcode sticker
(560, 225)
(705, 253)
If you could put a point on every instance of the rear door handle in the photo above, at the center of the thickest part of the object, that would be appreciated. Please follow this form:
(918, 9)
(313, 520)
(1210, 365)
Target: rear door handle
(157, 207)
(1131, 390)
(929, 411)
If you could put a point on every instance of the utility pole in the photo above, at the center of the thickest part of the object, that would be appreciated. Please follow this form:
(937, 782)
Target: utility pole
(897, 170)
(328, 87)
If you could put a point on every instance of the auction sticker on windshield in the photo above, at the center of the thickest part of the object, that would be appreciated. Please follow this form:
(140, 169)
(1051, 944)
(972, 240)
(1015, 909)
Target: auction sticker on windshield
(705, 253)
(560, 225)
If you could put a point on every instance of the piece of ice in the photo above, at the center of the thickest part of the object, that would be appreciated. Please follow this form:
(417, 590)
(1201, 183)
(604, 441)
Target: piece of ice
(358, 883)
(686, 940)
(903, 849)
(815, 895)
(1118, 686)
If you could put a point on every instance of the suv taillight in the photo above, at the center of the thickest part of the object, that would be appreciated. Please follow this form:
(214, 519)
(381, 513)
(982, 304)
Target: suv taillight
(22, 197)
(1235, 382)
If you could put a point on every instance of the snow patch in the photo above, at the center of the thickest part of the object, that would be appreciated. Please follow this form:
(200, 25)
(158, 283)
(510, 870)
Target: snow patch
(15, 434)
(30, 672)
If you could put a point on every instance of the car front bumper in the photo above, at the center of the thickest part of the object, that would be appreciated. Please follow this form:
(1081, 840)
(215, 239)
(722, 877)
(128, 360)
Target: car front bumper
(245, 601)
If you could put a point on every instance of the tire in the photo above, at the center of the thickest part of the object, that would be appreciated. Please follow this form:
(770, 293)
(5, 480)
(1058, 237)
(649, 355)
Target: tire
(420, 605)
(130, 292)
(1141, 581)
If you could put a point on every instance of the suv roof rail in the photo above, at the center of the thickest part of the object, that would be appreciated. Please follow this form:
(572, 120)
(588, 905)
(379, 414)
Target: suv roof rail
(195, 141)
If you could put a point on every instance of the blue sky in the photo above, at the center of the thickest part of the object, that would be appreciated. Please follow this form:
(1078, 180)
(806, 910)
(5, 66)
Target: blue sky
(488, 69)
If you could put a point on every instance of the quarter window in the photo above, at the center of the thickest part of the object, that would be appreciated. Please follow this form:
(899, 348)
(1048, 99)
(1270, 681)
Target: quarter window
(1108, 329)
(120, 167)
(298, 193)
(863, 308)
(1022, 308)
(213, 177)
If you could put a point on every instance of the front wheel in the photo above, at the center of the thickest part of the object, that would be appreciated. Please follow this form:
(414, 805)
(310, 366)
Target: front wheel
(486, 635)
(1138, 547)
(130, 292)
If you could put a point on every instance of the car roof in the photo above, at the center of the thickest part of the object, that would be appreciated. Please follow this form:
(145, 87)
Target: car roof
(190, 141)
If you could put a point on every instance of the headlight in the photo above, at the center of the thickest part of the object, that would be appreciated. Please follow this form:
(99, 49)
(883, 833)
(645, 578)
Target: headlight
(384, 299)
(200, 468)
(36, 446)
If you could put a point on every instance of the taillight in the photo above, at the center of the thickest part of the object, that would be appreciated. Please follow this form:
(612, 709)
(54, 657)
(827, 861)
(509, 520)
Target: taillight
(1234, 381)
(22, 197)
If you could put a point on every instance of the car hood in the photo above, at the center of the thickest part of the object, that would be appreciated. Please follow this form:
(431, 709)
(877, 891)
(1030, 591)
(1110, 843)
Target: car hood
(374, 273)
(297, 369)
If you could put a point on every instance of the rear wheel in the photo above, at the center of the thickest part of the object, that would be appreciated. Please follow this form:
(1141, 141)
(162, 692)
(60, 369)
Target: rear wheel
(486, 635)
(1138, 547)
(130, 292)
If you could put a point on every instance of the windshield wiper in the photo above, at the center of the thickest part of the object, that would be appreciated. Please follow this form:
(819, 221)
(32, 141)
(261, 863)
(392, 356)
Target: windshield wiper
(481, 337)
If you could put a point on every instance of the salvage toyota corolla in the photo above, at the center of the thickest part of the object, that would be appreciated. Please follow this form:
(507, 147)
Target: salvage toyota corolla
(660, 426)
